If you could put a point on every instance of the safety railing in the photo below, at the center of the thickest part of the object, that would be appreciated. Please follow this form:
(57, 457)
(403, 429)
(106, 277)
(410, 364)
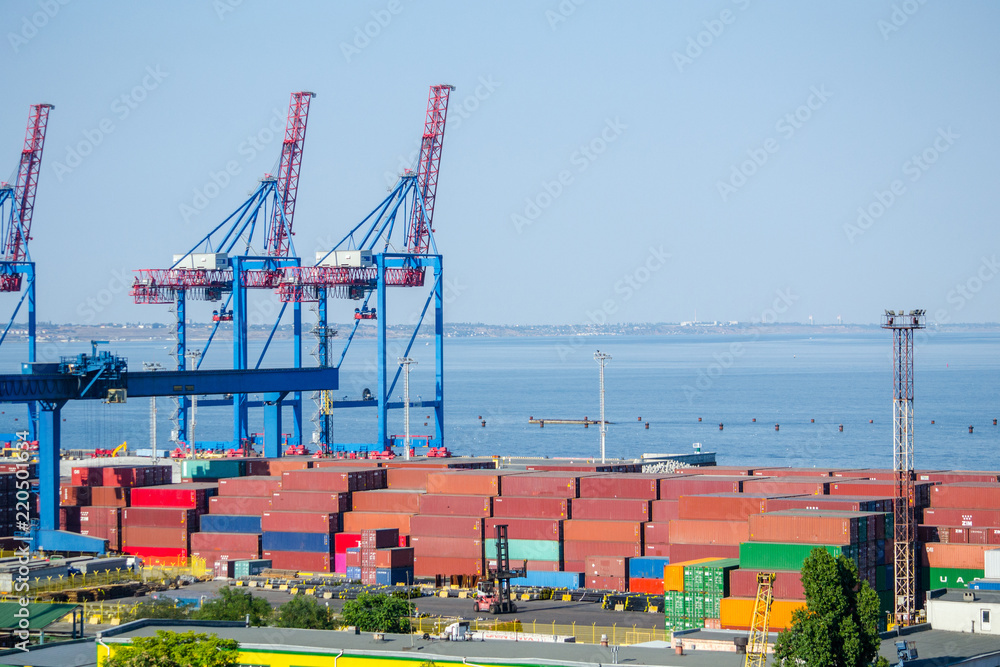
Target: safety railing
(620, 635)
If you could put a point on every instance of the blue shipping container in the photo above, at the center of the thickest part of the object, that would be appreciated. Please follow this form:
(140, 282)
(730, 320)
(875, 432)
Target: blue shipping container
(229, 523)
(570, 580)
(353, 574)
(647, 567)
(391, 576)
(311, 542)
(985, 585)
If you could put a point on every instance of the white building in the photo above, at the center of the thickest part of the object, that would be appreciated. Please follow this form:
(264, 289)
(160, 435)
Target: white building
(960, 610)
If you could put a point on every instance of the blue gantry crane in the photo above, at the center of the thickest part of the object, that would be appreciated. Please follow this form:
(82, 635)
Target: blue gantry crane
(250, 249)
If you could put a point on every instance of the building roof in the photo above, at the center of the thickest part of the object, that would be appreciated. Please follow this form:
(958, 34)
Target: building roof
(78, 653)
(40, 615)
(958, 595)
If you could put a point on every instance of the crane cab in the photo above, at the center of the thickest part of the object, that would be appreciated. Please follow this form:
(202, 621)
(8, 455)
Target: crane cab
(365, 313)
(222, 316)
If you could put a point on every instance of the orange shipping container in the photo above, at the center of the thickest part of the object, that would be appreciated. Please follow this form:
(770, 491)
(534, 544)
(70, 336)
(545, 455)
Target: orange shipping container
(673, 575)
(385, 500)
(465, 482)
(737, 613)
(355, 522)
(958, 556)
(414, 479)
(709, 532)
(602, 531)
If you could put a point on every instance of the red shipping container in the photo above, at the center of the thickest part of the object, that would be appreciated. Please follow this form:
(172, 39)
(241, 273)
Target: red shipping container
(838, 503)
(602, 531)
(813, 486)
(193, 495)
(379, 538)
(274, 467)
(643, 487)
(606, 566)
(978, 535)
(553, 484)
(662, 511)
(430, 566)
(792, 472)
(464, 483)
(956, 476)
(527, 507)
(656, 533)
(397, 557)
(249, 486)
(69, 519)
(386, 500)
(977, 495)
(680, 553)
(878, 488)
(993, 535)
(787, 584)
(932, 533)
(721, 506)
(158, 555)
(446, 547)
(806, 527)
(658, 550)
(446, 526)
(353, 557)
(573, 566)
(456, 505)
(581, 551)
(344, 541)
(109, 496)
(147, 536)
(225, 555)
(101, 516)
(300, 561)
(958, 536)
(243, 542)
(958, 556)
(874, 474)
(323, 479)
(972, 518)
(239, 505)
(709, 532)
(649, 586)
(309, 501)
(89, 476)
(355, 522)
(300, 522)
(161, 517)
(691, 485)
(125, 476)
(110, 533)
(607, 583)
(405, 477)
(525, 529)
(611, 509)
(74, 495)
(717, 470)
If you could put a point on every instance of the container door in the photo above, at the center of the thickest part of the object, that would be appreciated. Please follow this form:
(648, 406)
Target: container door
(985, 620)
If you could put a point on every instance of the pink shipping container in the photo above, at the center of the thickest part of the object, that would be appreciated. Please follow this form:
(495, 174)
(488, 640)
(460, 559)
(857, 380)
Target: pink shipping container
(977, 518)
(662, 511)
(721, 506)
(607, 583)
(690, 485)
(446, 547)
(301, 561)
(656, 533)
(643, 487)
(386, 500)
(239, 505)
(709, 532)
(300, 522)
(525, 529)
(249, 486)
(446, 526)
(464, 483)
(606, 531)
(340, 563)
(979, 495)
(685, 552)
(813, 486)
(605, 566)
(787, 584)
(611, 509)
(553, 484)
(430, 566)
(581, 551)
(527, 507)
(311, 501)
(456, 505)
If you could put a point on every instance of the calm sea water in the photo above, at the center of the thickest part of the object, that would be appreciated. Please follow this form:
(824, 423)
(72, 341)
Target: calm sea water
(668, 381)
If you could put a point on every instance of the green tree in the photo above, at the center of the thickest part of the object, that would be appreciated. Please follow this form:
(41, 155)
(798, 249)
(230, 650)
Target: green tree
(375, 612)
(156, 609)
(839, 625)
(235, 605)
(172, 649)
(305, 612)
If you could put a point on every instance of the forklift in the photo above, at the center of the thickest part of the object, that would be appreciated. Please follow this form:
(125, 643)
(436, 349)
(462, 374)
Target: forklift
(493, 594)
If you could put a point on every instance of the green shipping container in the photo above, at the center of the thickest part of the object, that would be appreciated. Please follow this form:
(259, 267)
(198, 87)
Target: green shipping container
(782, 556)
(550, 550)
(250, 568)
(711, 577)
(932, 578)
(196, 469)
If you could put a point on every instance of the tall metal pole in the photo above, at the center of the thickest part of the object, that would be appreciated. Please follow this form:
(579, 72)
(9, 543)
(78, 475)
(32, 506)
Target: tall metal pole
(406, 362)
(152, 366)
(903, 325)
(601, 358)
(193, 355)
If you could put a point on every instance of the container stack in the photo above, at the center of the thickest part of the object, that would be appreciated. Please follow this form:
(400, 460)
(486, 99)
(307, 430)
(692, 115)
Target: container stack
(302, 541)
(212, 470)
(693, 592)
(961, 525)
(164, 538)
(645, 574)
(382, 561)
(231, 531)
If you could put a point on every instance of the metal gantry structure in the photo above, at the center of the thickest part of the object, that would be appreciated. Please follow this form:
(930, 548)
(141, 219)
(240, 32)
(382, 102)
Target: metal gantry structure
(903, 324)
(393, 246)
(17, 207)
(250, 249)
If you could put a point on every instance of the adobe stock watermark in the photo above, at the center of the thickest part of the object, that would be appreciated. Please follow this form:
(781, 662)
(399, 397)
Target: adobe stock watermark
(786, 127)
(223, 7)
(459, 110)
(121, 281)
(964, 292)
(562, 12)
(625, 288)
(121, 108)
(723, 361)
(364, 35)
(582, 159)
(704, 39)
(30, 25)
(22, 518)
(219, 180)
(914, 168)
(900, 16)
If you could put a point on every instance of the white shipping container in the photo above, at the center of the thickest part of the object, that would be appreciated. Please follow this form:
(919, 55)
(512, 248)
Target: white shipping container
(346, 258)
(992, 558)
(208, 261)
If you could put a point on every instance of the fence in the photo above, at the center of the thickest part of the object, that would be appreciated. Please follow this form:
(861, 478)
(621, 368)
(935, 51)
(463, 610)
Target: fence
(620, 635)
(62, 583)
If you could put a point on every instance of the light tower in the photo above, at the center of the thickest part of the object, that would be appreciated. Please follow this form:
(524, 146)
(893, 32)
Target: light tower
(903, 325)
(406, 362)
(601, 358)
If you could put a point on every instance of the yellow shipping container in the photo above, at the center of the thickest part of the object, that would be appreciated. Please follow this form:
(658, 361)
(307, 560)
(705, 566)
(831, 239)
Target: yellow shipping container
(673, 574)
(737, 613)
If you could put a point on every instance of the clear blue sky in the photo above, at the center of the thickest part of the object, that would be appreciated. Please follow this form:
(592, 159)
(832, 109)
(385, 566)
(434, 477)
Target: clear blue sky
(713, 155)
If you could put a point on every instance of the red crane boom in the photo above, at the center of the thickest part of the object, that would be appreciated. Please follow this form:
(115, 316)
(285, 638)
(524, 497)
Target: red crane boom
(418, 241)
(16, 244)
(278, 243)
